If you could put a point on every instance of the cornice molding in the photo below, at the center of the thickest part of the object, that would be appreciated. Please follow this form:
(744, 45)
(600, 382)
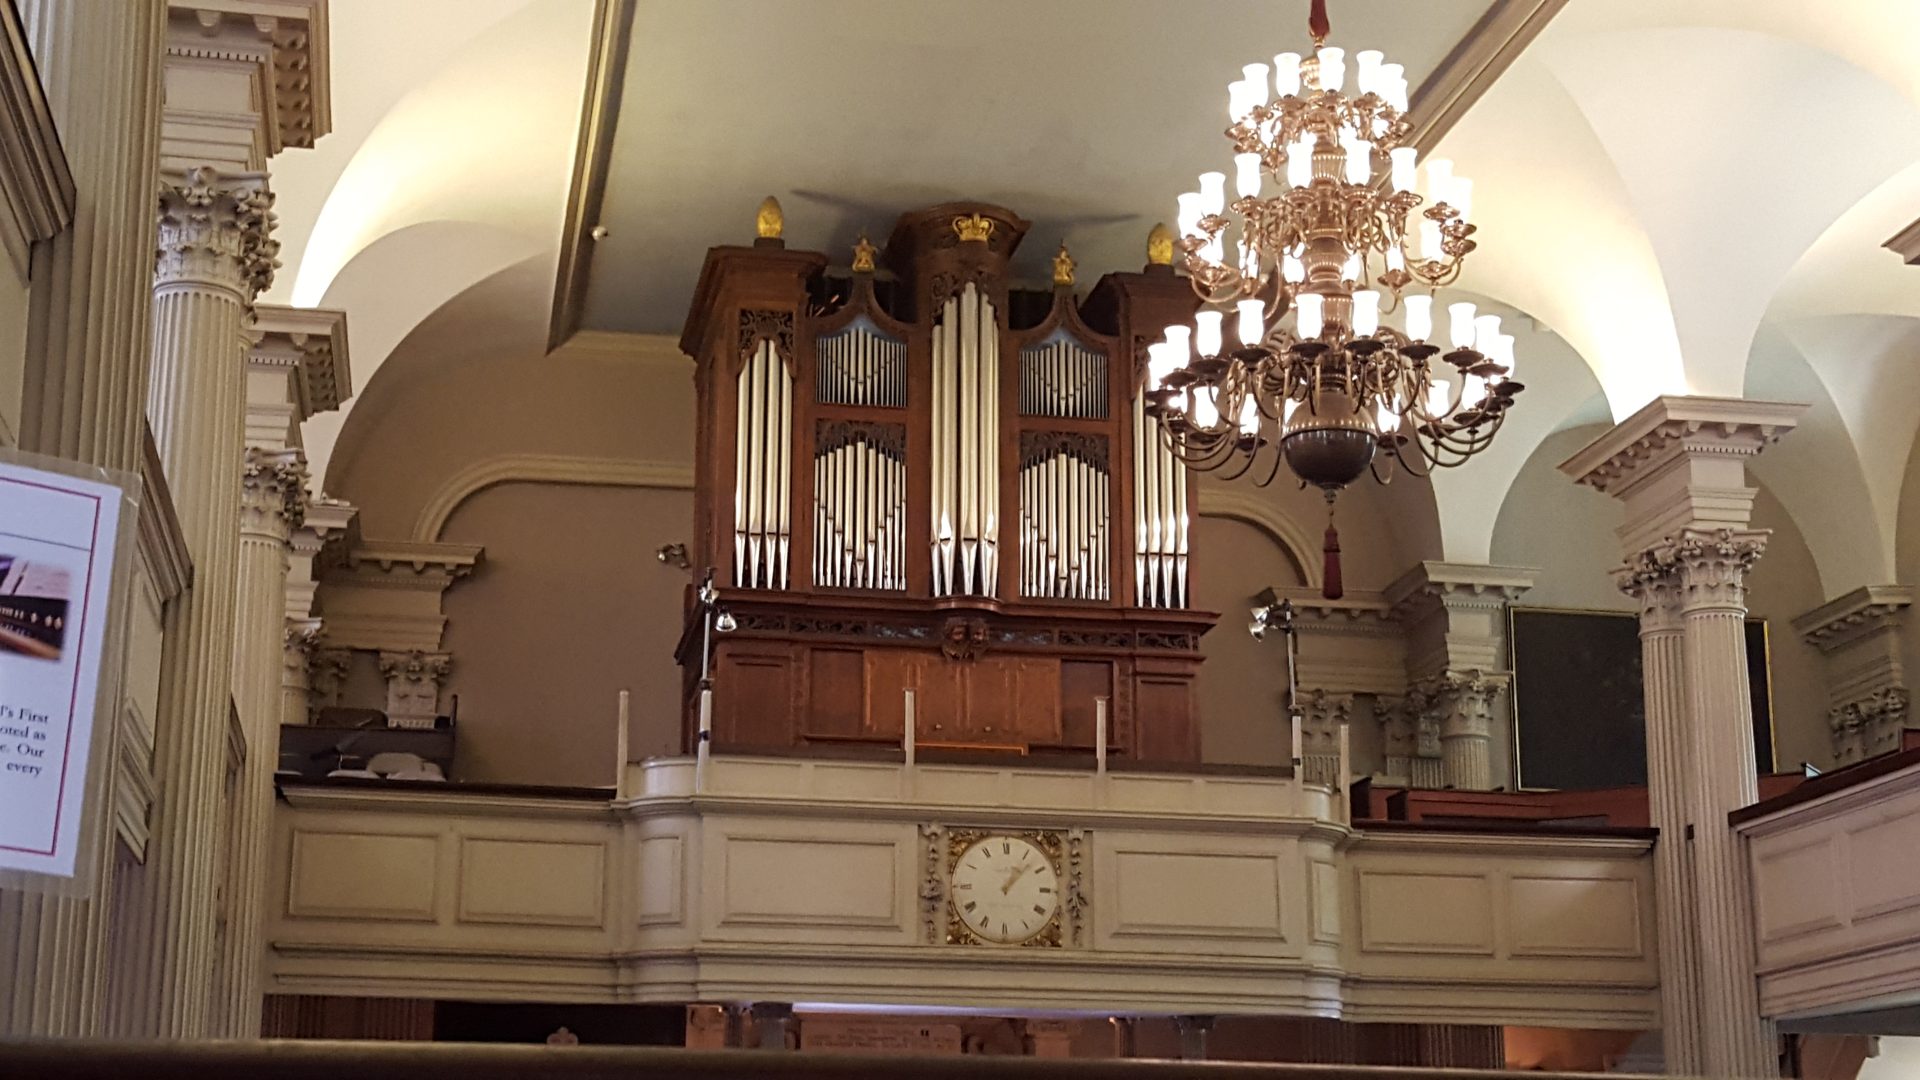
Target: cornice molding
(1672, 427)
(34, 179)
(1847, 618)
(1432, 584)
(1261, 512)
(543, 469)
(592, 157)
(1906, 243)
(1476, 62)
(411, 565)
(310, 343)
(288, 39)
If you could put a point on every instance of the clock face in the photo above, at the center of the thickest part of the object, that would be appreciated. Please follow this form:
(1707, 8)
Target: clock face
(1004, 889)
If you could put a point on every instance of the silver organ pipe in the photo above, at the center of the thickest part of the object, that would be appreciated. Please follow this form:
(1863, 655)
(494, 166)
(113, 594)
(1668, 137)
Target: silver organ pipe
(1159, 516)
(1065, 497)
(860, 505)
(1061, 377)
(966, 380)
(861, 366)
(762, 532)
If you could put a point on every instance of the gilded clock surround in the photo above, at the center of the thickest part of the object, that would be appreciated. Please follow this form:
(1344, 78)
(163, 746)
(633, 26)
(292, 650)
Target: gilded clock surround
(1052, 844)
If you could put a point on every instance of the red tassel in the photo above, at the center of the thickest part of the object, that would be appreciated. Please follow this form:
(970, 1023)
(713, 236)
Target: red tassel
(1331, 586)
(1317, 24)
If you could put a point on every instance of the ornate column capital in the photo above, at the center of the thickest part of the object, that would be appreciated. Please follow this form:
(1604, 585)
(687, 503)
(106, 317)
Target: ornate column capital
(413, 686)
(1868, 726)
(1692, 570)
(1322, 716)
(273, 493)
(1462, 701)
(216, 231)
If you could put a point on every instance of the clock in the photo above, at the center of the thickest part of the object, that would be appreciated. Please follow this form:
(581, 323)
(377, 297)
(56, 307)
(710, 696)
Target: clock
(1003, 888)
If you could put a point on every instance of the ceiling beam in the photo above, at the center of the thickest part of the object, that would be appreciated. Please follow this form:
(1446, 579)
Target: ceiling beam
(606, 74)
(1480, 57)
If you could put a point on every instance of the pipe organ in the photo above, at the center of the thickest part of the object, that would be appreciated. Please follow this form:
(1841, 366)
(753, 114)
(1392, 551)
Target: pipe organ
(985, 516)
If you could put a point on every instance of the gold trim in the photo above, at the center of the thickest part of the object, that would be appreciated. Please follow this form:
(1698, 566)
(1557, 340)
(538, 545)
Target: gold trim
(975, 229)
(863, 253)
(1160, 245)
(592, 156)
(769, 222)
(1052, 845)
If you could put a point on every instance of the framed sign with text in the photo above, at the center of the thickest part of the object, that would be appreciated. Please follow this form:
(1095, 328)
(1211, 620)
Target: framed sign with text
(63, 543)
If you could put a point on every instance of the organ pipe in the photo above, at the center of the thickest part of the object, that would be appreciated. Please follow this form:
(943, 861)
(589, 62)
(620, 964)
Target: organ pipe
(762, 499)
(1062, 378)
(860, 508)
(965, 514)
(1159, 516)
(1065, 499)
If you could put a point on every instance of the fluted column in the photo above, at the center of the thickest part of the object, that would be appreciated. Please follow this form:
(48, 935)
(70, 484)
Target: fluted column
(1466, 728)
(86, 333)
(215, 254)
(273, 496)
(1713, 567)
(1679, 468)
(1670, 761)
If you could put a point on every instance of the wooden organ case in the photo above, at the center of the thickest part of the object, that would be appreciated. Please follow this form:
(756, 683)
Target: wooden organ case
(917, 476)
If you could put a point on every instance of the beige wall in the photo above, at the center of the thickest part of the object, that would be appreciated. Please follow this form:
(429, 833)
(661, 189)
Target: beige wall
(1568, 533)
(569, 608)
(1243, 682)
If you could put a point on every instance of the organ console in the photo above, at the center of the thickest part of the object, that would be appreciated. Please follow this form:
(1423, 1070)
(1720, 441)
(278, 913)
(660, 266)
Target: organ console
(915, 473)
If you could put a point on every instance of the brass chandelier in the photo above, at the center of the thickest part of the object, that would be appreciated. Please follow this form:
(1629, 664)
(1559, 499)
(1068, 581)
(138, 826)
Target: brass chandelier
(1319, 227)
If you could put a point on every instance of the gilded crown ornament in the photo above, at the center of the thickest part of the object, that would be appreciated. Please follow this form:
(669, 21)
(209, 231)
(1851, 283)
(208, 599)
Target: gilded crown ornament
(1062, 266)
(1324, 236)
(863, 253)
(973, 229)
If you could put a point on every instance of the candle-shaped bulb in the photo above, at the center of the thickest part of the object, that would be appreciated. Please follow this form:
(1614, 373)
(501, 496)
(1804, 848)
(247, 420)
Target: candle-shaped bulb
(1366, 70)
(1286, 74)
(1419, 316)
(1206, 333)
(1503, 352)
(1179, 344)
(1393, 86)
(1213, 191)
(1396, 259)
(1438, 399)
(1256, 80)
(1250, 416)
(1432, 244)
(1253, 321)
(1286, 411)
(1246, 175)
(1293, 269)
(1404, 171)
(1485, 329)
(1309, 307)
(1462, 197)
(1366, 312)
(1206, 407)
(1158, 366)
(1300, 161)
(1473, 390)
(1238, 101)
(1333, 68)
(1359, 161)
(1192, 209)
(1351, 269)
(1385, 417)
(1460, 325)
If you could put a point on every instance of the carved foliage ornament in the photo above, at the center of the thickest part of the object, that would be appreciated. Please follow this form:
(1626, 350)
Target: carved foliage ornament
(273, 490)
(1698, 568)
(963, 638)
(888, 439)
(217, 230)
(1040, 446)
(774, 326)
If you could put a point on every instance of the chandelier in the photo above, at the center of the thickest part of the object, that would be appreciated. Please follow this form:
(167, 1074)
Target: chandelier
(1319, 226)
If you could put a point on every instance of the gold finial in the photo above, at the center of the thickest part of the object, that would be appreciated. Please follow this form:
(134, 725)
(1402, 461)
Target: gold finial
(1160, 245)
(770, 222)
(1063, 266)
(975, 228)
(863, 256)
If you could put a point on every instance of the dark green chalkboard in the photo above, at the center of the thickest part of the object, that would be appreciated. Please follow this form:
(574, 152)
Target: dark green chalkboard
(1579, 717)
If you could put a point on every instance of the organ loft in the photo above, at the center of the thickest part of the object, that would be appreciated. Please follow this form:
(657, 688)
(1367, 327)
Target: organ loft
(917, 474)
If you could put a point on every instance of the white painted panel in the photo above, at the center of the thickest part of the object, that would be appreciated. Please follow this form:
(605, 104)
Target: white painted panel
(1326, 902)
(1575, 916)
(780, 881)
(1197, 894)
(359, 875)
(532, 882)
(1885, 874)
(864, 782)
(1797, 890)
(1405, 912)
(662, 880)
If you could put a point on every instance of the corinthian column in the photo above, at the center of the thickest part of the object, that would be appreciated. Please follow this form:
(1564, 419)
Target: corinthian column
(273, 497)
(1679, 466)
(86, 353)
(215, 254)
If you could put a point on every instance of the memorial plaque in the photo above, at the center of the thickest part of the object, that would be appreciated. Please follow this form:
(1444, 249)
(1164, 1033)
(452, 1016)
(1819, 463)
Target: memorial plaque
(843, 1035)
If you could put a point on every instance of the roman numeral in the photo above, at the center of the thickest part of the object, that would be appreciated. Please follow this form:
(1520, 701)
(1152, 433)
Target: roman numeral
(967, 885)
(970, 906)
(1038, 910)
(1006, 848)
